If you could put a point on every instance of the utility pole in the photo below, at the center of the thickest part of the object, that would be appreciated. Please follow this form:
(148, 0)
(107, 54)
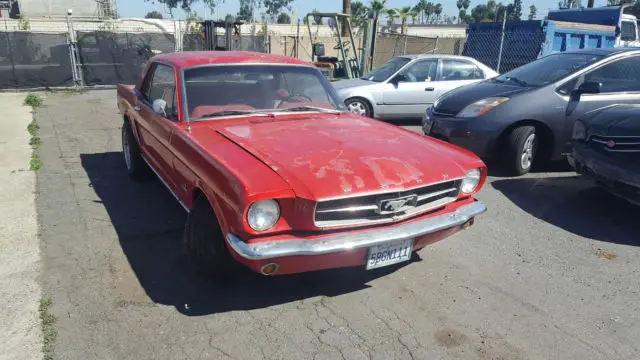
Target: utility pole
(346, 9)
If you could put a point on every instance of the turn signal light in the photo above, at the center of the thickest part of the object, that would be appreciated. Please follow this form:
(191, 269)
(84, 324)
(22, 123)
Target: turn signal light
(269, 269)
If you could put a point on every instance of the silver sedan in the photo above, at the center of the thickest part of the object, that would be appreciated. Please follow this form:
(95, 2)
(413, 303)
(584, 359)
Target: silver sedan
(405, 86)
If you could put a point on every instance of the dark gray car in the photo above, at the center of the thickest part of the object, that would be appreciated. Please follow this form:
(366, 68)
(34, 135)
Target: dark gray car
(528, 113)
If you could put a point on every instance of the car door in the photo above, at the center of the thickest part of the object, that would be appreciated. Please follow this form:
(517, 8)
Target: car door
(413, 93)
(455, 73)
(620, 84)
(155, 130)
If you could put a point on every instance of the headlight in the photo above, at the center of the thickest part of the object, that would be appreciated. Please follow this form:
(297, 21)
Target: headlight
(263, 215)
(470, 181)
(579, 131)
(480, 107)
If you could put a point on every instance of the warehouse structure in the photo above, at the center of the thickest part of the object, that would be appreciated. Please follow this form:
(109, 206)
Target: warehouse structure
(98, 9)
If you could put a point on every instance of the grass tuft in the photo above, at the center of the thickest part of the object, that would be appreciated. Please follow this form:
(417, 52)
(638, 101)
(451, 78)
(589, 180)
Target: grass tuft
(35, 102)
(48, 322)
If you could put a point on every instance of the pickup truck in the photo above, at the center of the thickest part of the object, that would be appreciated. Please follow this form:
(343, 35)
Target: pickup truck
(277, 175)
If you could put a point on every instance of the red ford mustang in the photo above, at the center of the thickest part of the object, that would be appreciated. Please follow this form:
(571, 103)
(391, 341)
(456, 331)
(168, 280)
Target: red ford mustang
(278, 176)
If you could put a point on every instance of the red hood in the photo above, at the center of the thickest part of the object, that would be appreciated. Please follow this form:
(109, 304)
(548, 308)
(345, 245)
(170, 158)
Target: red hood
(323, 156)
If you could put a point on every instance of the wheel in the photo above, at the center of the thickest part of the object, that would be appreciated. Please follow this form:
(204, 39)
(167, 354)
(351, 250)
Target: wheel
(521, 147)
(137, 168)
(205, 244)
(359, 107)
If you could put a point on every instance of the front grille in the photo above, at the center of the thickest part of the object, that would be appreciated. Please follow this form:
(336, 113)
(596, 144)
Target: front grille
(385, 207)
(622, 144)
(443, 113)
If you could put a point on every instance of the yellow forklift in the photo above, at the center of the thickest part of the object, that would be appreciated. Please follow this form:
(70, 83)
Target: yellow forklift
(346, 64)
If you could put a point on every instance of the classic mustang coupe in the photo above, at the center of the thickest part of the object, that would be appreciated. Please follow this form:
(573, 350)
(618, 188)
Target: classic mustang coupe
(278, 176)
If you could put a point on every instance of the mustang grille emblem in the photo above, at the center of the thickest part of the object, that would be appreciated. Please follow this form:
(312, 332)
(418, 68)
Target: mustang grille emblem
(393, 206)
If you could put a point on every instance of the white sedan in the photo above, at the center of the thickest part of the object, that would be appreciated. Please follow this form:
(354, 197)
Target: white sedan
(403, 87)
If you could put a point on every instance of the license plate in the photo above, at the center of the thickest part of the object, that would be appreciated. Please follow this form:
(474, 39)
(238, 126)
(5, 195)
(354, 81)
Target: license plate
(389, 253)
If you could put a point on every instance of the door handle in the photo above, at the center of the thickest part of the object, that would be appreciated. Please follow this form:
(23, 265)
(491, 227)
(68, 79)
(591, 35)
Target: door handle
(137, 108)
(429, 89)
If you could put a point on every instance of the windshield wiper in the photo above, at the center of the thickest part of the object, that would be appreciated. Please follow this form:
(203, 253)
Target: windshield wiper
(228, 113)
(517, 81)
(307, 108)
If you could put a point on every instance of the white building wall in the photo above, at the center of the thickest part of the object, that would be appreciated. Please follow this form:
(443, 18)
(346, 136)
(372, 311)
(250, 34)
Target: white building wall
(58, 8)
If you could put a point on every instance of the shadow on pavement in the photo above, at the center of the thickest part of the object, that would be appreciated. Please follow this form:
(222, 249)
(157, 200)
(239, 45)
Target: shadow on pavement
(495, 167)
(575, 204)
(149, 223)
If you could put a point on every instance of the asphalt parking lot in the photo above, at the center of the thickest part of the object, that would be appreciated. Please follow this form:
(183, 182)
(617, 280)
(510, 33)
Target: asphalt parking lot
(551, 271)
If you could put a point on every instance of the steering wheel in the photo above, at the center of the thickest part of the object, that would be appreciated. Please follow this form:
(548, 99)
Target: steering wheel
(344, 44)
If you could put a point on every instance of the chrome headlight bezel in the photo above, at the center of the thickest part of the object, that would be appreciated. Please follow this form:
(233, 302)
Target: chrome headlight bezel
(579, 132)
(480, 107)
(471, 181)
(263, 215)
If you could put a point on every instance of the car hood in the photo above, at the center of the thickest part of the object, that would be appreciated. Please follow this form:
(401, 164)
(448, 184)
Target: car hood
(456, 100)
(324, 156)
(618, 120)
(351, 83)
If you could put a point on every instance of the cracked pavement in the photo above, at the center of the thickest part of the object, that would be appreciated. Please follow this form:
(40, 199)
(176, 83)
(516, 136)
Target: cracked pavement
(527, 281)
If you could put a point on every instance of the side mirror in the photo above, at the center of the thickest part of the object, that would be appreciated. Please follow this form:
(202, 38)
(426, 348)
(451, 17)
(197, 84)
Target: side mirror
(588, 87)
(160, 107)
(398, 79)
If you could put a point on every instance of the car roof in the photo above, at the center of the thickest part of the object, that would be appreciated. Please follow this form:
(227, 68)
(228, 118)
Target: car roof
(194, 58)
(603, 51)
(435, 56)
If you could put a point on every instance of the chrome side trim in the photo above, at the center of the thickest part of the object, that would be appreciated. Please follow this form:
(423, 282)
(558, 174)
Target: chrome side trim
(345, 242)
(166, 185)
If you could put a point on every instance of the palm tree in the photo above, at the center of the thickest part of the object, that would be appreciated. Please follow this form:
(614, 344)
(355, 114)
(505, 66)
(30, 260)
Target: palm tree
(376, 7)
(421, 7)
(391, 17)
(428, 10)
(437, 10)
(404, 13)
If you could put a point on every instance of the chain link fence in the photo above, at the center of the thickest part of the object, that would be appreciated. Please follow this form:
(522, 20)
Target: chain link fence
(390, 45)
(517, 48)
(108, 58)
(34, 60)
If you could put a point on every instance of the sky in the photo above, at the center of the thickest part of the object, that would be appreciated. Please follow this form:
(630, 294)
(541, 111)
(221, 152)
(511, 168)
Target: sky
(139, 8)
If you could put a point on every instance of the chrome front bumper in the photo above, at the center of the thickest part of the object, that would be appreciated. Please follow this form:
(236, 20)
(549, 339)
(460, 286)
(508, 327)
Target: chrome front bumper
(365, 238)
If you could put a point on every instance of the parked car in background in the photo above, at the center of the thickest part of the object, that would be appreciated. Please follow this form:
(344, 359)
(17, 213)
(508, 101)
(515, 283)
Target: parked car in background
(259, 149)
(403, 87)
(527, 114)
(606, 148)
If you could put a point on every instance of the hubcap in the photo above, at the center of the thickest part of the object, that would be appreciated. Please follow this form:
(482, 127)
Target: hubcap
(358, 108)
(125, 149)
(527, 152)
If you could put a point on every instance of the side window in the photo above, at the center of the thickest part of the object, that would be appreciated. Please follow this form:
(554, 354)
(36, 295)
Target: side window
(619, 76)
(628, 31)
(163, 86)
(460, 70)
(421, 71)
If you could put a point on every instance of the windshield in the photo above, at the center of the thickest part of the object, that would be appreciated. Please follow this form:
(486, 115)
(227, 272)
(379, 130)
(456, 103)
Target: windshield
(387, 69)
(216, 91)
(548, 69)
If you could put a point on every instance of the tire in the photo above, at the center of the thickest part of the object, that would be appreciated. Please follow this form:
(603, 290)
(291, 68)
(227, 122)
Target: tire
(359, 106)
(520, 150)
(205, 244)
(137, 168)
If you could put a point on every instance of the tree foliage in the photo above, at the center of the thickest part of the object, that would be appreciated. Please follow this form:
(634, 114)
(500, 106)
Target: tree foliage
(154, 15)
(186, 4)
(274, 7)
(533, 12)
(283, 18)
(568, 4)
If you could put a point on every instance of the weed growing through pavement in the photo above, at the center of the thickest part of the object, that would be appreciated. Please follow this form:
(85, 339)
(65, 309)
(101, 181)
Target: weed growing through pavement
(48, 322)
(35, 102)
